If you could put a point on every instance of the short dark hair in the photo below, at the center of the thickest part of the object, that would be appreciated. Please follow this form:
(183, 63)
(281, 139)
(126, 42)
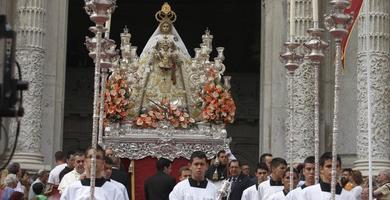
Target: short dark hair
(13, 168)
(347, 170)
(278, 161)
(98, 148)
(198, 154)
(262, 166)
(262, 157)
(38, 188)
(294, 171)
(232, 161)
(59, 155)
(327, 156)
(221, 151)
(309, 159)
(162, 163)
(69, 154)
(108, 160)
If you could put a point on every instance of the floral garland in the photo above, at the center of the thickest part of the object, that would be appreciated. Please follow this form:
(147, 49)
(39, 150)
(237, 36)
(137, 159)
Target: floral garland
(164, 111)
(116, 104)
(218, 104)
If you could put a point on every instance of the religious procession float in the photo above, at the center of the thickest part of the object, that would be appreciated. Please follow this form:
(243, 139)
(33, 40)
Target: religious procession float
(162, 103)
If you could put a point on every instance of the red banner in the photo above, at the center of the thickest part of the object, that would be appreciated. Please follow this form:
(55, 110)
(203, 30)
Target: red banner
(354, 9)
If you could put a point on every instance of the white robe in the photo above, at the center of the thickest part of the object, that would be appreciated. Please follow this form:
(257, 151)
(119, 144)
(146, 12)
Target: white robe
(54, 176)
(122, 188)
(68, 179)
(108, 191)
(295, 194)
(266, 190)
(183, 191)
(278, 196)
(314, 192)
(250, 193)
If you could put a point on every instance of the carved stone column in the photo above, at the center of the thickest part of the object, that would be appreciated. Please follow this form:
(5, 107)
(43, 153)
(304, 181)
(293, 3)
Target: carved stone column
(374, 54)
(30, 54)
(303, 109)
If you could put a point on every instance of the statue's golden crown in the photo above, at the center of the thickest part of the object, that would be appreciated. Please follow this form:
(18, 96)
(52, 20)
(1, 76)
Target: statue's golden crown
(166, 14)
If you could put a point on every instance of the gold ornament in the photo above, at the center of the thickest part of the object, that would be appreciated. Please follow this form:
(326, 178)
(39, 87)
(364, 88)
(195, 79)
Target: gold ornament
(166, 14)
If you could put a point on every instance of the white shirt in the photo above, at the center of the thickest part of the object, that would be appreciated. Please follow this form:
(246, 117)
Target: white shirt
(68, 179)
(250, 193)
(184, 191)
(54, 176)
(266, 190)
(314, 192)
(77, 191)
(277, 196)
(19, 187)
(122, 188)
(357, 192)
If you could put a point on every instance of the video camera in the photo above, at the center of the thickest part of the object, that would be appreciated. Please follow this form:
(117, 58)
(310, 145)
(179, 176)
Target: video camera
(9, 86)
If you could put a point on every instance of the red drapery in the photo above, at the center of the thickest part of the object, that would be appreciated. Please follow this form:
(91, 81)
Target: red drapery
(146, 167)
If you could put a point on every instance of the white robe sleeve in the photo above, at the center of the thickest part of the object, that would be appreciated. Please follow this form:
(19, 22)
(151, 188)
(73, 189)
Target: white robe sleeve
(177, 193)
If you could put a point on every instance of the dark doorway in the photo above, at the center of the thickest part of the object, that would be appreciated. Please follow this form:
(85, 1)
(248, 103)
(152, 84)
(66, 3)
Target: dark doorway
(235, 25)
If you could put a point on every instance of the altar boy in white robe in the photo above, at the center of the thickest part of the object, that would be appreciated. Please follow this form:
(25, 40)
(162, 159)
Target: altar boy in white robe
(261, 176)
(196, 187)
(282, 195)
(309, 173)
(321, 191)
(274, 184)
(104, 190)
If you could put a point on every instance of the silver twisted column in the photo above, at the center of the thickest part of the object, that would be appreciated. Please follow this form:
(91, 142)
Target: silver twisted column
(98, 10)
(316, 46)
(336, 22)
(291, 61)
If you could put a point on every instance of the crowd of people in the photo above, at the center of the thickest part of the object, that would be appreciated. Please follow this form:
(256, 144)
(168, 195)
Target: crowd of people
(224, 178)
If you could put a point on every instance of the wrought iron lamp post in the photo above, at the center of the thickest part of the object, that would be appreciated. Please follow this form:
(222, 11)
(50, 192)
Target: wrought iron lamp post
(337, 22)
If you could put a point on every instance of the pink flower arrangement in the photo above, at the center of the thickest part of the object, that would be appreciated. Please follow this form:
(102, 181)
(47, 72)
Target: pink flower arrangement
(218, 104)
(165, 111)
(116, 103)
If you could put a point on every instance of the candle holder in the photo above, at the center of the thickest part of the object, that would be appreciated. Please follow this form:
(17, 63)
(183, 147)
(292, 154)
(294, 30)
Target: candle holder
(337, 22)
(291, 60)
(316, 48)
(98, 11)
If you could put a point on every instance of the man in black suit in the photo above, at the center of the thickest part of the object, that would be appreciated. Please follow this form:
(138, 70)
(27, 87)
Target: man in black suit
(159, 186)
(239, 181)
(120, 175)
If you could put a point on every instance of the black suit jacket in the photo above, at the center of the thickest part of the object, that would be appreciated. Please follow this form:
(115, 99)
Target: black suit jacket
(121, 177)
(159, 186)
(238, 187)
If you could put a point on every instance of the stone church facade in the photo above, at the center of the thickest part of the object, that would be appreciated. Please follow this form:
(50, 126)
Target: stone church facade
(41, 49)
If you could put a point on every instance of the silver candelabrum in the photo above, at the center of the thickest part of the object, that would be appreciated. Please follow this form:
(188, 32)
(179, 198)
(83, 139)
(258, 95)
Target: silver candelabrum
(291, 59)
(316, 48)
(337, 22)
(99, 12)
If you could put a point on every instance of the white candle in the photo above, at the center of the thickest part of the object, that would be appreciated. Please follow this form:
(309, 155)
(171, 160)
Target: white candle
(315, 13)
(292, 19)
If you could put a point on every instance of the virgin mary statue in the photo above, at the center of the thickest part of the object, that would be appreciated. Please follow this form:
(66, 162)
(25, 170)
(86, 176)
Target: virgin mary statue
(164, 66)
